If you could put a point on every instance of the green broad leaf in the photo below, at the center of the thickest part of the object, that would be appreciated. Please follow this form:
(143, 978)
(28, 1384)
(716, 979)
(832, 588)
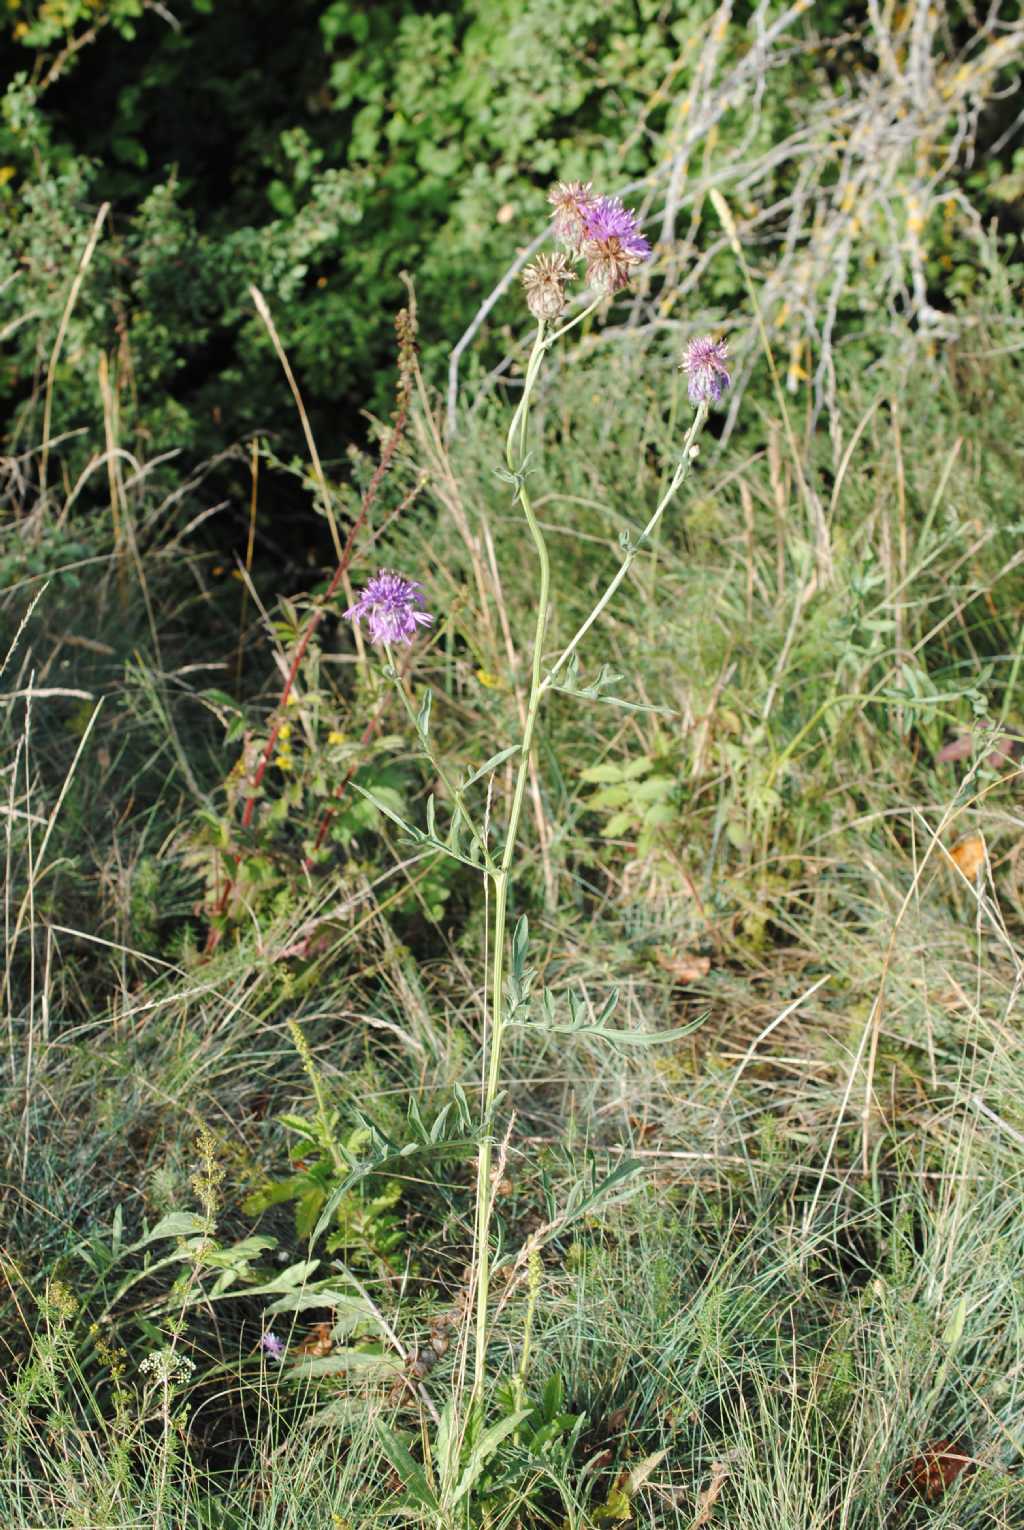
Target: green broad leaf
(618, 824)
(221, 698)
(638, 767)
(653, 788)
(446, 1444)
(492, 764)
(307, 1207)
(300, 1125)
(411, 1473)
(345, 1362)
(598, 774)
(275, 1194)
(485, 1447)
(552, 1396)
(238, 1253)
(611, 796)
(954, 1329)
(177, 1224)
(294, 1276)
(350, 1312)
(616, 1509)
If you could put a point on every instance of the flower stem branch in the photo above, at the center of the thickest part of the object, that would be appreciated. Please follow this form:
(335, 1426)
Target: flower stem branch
(678, 478)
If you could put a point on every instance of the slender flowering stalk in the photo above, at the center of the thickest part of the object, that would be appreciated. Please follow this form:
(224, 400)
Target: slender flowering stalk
(707, 375)
(606, 235)
(500, 876)
(617, 248)
(393, 608)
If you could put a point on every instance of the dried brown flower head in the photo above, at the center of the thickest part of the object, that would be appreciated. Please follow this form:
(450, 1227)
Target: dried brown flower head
(572, 202)
(544, 282)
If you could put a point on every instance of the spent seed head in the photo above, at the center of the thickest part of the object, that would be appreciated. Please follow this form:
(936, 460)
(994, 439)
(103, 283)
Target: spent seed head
(544, 282)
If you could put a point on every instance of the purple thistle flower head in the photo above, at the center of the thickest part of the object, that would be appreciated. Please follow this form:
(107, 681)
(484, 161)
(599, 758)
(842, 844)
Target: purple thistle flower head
(613, 244)
(706, 372)
(271, 1345)
(393, 608)
(608, 219)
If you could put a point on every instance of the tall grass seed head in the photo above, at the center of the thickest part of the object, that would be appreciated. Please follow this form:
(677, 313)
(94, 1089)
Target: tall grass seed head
(544, 282)
(613, 244)
(572, 201)
(392, 607)
(707, 376)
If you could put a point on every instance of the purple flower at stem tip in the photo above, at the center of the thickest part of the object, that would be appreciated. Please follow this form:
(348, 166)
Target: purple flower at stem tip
(608, 219)
(392, 607)
(613, 244)
(271, 1345)
(706, 372)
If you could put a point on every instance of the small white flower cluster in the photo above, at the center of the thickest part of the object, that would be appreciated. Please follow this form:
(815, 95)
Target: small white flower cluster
(167, 1368)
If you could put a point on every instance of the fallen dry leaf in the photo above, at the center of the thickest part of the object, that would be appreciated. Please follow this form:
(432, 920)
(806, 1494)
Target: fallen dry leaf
(707, 1500)
(968, 855)
(937, 1468)
(685, 968)
(318, 1341)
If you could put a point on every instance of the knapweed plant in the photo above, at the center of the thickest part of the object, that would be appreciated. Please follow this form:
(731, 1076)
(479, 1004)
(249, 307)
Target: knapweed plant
(603, 236)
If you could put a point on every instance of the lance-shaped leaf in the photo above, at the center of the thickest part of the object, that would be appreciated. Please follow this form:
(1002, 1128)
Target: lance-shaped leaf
(492, 764)
(423, 719)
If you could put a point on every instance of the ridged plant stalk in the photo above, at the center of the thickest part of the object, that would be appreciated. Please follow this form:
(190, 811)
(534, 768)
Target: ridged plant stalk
(500, 874)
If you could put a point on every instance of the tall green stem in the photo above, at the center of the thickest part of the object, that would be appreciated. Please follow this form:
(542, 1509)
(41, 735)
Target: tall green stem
(500, 877)
(678, 477)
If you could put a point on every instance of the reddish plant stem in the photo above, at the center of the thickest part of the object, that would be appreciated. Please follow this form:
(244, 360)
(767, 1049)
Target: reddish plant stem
(406, 339)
